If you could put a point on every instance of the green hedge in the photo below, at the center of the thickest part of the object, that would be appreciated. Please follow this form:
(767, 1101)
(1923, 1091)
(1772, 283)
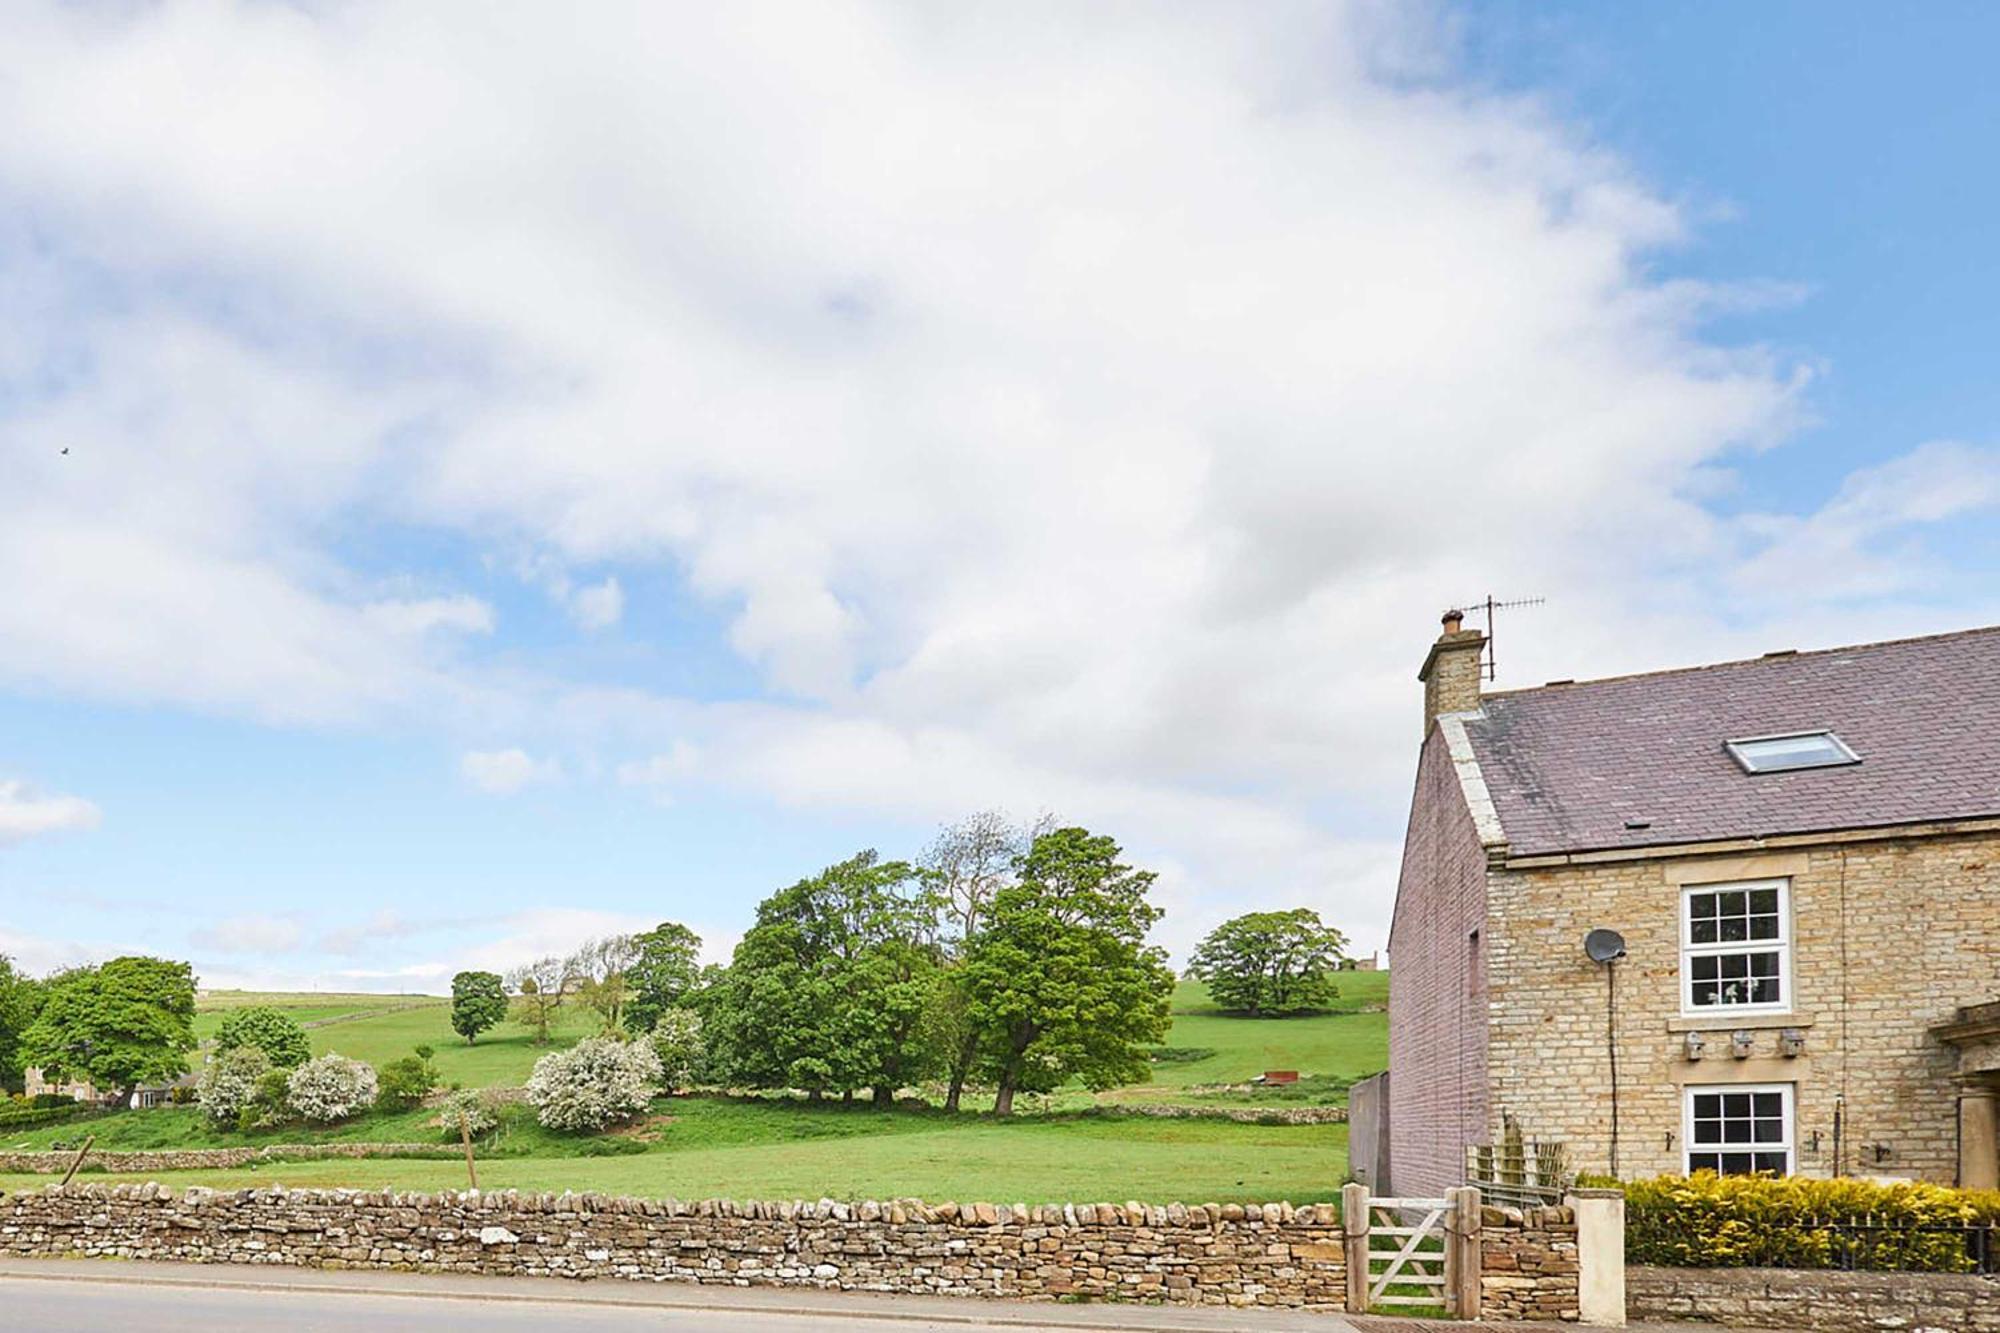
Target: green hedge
(1706, 1221)
(36, 1117)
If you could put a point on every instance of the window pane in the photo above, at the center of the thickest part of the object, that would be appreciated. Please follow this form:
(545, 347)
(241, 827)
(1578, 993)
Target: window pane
(1703, 1161)
(1764, 902)
(1735, 930)
(1775, 1162)
(1776, 754)
(1769, 1103)
(1765, 992)
(1701, 932)
(1738, 1163)
(1736, 1104)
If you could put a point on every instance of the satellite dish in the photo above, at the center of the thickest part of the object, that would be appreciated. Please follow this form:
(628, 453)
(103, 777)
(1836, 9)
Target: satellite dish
(1604, 946)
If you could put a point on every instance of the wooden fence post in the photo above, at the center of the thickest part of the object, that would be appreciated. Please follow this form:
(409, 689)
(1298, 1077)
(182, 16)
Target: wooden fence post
(1463, 1262)
(1354, 1225)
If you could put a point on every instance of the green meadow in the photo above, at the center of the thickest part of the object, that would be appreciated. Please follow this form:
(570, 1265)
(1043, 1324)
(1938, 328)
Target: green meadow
(1069, 1146)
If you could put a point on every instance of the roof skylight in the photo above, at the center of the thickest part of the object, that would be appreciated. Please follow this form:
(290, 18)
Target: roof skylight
(1780, 754)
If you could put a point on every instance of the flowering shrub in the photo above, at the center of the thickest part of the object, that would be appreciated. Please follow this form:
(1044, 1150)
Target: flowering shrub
(1709, 1221)
(229, 1083)
(594, 1083)
(464, 1113)
(332, 1087)
(677, 1040)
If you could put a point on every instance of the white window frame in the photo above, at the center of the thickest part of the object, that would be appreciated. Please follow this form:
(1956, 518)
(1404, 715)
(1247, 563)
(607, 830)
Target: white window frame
(1845, 755)
(1788, 1091)
(1782, 946)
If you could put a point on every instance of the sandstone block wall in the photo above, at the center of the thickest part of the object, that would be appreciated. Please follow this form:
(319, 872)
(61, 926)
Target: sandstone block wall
(1232, 1254)
(1528, 1264)
(1819, 1302)
(1889, 937)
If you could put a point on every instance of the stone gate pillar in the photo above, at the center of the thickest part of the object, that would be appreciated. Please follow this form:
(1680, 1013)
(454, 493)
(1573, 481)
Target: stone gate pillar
(1979, 1135)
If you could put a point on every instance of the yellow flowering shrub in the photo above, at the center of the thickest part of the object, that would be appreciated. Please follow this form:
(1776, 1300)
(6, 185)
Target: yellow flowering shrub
(1710, 1221)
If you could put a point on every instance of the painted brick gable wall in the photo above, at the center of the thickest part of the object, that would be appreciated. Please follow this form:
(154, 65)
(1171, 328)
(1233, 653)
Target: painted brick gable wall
(1437, 986)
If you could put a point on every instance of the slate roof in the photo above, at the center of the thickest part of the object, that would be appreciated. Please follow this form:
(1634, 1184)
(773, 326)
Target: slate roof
(1568, 765)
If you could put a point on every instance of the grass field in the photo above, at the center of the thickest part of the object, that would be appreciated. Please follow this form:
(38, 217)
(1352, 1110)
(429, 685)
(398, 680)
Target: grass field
(777, 1148)
(380, 1028)
(1350, 1043)
(711, 1147)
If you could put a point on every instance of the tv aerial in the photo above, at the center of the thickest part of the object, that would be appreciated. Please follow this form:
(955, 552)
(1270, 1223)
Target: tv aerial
(1486, 606)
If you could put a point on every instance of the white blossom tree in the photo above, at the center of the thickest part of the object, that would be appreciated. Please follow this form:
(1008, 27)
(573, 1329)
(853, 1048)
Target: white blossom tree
(228, 1083)
(330, 1088)
(593, 1084)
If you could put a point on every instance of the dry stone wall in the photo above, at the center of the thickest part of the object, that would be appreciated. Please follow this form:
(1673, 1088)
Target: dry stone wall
(1821, 1302)
(213, 1159)
(1230, 1254)
(1528, 1264)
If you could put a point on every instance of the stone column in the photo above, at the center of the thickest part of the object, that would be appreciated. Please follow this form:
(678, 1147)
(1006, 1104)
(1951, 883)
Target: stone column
(1600, 1255)
(1979, 1136)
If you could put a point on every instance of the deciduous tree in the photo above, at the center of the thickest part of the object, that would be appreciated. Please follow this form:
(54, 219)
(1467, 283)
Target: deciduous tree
(270, 1030)
(1270, 963)
(478, 1001)
(539, 989)
(666, 971)
(1060, 981)
(120, 1024)
(964, 866)
(20, 1001)
(827, 991)
(598, 973)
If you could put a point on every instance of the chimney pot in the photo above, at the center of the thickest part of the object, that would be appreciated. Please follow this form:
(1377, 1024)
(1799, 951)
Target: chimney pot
(1453, 620)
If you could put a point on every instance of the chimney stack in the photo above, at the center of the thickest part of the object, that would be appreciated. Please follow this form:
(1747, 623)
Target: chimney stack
(1452, 671)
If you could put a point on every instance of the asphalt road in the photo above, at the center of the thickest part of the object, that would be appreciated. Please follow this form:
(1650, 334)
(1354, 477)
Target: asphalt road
(72, 1306)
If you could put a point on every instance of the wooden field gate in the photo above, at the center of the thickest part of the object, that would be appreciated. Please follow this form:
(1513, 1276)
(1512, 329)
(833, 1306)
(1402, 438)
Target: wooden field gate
(1404, 1253)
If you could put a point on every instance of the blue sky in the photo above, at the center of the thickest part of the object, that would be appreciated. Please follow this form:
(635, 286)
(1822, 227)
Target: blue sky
(518, 492)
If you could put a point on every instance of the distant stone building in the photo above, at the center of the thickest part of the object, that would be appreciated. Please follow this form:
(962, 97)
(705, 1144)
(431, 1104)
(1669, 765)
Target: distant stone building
(1802, 855)
(36, 1084)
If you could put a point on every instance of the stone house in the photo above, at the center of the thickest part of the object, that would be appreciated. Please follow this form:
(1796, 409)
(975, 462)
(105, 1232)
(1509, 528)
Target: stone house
(36, 1083)
(1800, 857)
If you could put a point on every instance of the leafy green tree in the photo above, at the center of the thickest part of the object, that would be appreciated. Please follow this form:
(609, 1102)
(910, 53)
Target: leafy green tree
(20, 1001)
(828, 990)
(478, 1001)
(1060, 981)
(272, 1031)
(123, 1023)
(1270, 963)
(667, 969)
(964, 866)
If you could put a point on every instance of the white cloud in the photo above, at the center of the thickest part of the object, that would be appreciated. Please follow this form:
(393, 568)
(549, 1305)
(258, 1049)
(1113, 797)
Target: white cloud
(1089, 410)
(466, 615)
(251, 933)
(504, 772)
(25, 814)
(599, 605)
(673, 765)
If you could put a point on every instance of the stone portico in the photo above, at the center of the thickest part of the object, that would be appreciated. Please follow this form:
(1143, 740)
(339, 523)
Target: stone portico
(1975, 1034)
